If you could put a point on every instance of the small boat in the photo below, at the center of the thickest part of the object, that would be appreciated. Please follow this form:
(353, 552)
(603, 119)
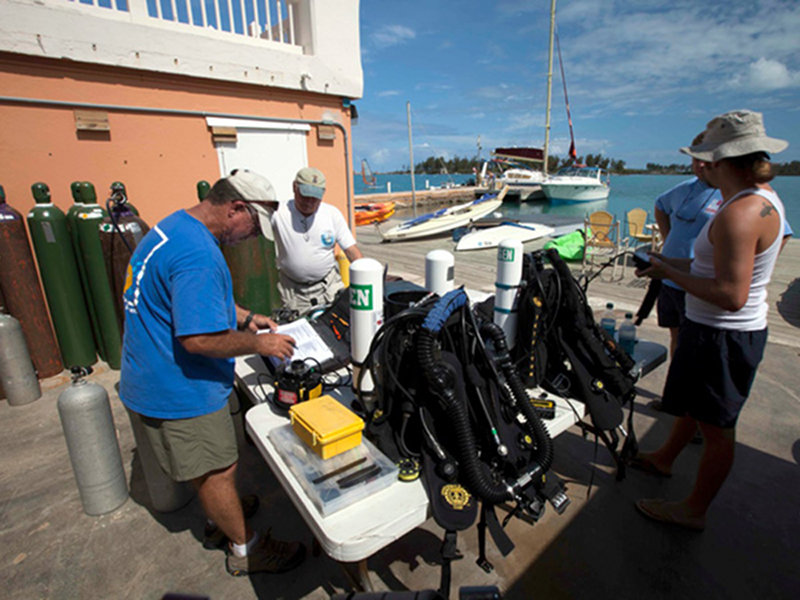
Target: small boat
(373, 212)
(445, 219)
(577, 184)
(525, 183)
(491, 237)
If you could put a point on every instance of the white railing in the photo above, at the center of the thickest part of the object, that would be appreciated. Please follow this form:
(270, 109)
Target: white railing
(266, 19)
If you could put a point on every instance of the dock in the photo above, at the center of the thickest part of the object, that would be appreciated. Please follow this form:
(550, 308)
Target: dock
(600, 547)
(424, 198)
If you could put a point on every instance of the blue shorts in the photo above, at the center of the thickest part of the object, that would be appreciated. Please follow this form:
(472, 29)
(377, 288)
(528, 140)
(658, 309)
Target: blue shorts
(712, 372)
(671, 306)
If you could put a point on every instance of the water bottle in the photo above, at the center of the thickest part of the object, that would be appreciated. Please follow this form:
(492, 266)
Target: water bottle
(627, 334)
(608, 321)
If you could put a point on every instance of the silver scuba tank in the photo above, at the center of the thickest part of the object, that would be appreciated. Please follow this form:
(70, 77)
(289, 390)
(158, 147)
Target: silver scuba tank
(17, 375)
(88, 427)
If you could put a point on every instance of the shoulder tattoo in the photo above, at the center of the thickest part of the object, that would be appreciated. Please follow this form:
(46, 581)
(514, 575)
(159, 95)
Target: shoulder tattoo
(766, 209)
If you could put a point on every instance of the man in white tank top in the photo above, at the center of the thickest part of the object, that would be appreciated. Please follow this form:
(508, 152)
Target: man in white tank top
(722, 340)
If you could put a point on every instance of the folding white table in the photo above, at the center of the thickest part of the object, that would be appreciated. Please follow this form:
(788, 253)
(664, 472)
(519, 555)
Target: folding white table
(354, 533)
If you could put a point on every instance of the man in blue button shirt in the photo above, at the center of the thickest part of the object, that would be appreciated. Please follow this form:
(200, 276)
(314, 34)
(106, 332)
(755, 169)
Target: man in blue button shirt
(182, 332)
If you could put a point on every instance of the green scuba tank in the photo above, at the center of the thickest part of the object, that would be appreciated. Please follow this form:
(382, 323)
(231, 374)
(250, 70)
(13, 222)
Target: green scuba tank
(77, 206)
(254, 272)
(203, 187)
(61, 280)
(88, 223)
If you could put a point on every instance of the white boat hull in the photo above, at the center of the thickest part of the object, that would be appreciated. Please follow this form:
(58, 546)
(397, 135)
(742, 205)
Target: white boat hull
(444, 220)
(491, 237)
(575, 192)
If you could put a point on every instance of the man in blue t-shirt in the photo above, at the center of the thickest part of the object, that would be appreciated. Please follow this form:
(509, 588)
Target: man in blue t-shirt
(182, 332)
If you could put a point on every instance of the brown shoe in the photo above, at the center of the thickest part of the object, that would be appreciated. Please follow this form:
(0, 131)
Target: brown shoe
(268, 556)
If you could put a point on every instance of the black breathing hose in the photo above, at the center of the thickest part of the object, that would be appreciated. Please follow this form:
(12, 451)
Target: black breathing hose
(440, 378)
(544, 443)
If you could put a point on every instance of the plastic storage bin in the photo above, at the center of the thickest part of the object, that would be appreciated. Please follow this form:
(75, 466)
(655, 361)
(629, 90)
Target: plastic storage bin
(326, 426)
(324, 481)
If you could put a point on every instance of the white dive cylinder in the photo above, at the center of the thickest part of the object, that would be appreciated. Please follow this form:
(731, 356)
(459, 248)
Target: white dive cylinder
(439, 271)
(366, 317)
(17, 375)
(165, 494)
(509, 274)
(92, 443)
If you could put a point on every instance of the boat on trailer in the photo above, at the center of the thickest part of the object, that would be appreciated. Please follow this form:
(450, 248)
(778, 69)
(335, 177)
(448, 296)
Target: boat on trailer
(445, 219)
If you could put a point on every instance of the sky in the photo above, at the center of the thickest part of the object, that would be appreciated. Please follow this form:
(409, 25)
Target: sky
(643, 76)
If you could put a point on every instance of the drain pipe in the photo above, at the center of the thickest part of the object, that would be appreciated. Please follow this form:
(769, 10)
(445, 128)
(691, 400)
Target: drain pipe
(204, 114)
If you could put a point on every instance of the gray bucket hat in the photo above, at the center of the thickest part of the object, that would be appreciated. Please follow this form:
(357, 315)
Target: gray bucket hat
(256, 190)
(735, 133)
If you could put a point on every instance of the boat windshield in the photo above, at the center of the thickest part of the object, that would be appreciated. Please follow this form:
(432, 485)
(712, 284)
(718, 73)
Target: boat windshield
(575, 171)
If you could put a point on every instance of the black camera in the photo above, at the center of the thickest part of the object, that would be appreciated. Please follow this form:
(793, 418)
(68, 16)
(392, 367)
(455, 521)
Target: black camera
(641, 259)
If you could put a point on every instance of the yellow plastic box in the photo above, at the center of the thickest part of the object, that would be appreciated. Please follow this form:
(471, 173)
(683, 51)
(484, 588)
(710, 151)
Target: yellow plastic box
(326, 426)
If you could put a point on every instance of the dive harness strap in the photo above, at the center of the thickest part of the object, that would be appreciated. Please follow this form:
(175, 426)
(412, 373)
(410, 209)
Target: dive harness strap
(501, 540)
(450, 553)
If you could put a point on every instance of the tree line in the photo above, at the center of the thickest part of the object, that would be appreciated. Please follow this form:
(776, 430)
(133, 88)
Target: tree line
(463, 165)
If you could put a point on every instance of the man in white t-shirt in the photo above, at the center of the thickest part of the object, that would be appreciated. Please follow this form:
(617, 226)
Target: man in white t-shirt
(306, 232)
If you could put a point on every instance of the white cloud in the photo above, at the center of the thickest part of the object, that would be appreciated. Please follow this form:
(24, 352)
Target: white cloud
(386, 93)
(392, 35)
(770, 75)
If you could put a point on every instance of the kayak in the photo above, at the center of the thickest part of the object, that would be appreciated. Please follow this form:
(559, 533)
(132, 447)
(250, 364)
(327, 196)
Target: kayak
(374, 212)
(491, 237)
(445, 219)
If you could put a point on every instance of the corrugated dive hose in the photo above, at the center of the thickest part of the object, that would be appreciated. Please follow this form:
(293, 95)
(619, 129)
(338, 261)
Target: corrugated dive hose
(441, 376)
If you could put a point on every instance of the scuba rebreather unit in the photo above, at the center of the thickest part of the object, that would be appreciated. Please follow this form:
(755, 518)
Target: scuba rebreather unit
(297, 381)
(561, 348)
(451, 400)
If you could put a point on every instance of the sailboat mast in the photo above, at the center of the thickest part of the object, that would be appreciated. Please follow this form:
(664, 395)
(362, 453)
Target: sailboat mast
(549, 84)
(411, 154)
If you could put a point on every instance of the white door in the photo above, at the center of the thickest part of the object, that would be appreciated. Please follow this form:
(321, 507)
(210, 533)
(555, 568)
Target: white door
(275, 150)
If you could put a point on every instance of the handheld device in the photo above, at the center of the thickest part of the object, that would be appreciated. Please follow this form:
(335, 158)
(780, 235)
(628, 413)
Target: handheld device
(641, 259)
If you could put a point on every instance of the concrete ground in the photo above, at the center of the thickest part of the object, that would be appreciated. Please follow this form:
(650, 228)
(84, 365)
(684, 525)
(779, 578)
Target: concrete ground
(600, 548)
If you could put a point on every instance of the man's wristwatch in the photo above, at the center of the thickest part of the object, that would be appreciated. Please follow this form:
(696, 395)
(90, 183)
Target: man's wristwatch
(247, 320)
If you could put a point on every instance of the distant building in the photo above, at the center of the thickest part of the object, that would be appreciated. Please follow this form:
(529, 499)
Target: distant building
(162, 93)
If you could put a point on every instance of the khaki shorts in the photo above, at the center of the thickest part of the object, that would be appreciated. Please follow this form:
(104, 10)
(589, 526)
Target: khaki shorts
(305, 298)
(190, 448)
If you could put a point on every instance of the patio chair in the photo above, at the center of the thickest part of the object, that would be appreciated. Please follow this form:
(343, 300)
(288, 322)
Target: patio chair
(637, 228)
(603, 243)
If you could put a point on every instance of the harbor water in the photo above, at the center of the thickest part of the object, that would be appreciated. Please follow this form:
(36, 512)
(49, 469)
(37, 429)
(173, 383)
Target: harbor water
(627, 192)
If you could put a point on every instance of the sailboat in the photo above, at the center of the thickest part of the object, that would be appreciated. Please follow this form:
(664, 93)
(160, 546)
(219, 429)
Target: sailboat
(576, 183)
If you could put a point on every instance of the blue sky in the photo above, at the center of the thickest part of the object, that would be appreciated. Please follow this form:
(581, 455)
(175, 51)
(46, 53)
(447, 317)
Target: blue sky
(643, 76)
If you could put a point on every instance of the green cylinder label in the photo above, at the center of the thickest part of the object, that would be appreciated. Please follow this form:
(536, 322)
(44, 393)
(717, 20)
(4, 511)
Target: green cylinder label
(505, 254)
(361, 297)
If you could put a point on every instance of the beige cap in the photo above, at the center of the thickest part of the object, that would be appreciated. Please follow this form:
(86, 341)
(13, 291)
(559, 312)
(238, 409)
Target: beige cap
(311, 182)
(255, 189)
